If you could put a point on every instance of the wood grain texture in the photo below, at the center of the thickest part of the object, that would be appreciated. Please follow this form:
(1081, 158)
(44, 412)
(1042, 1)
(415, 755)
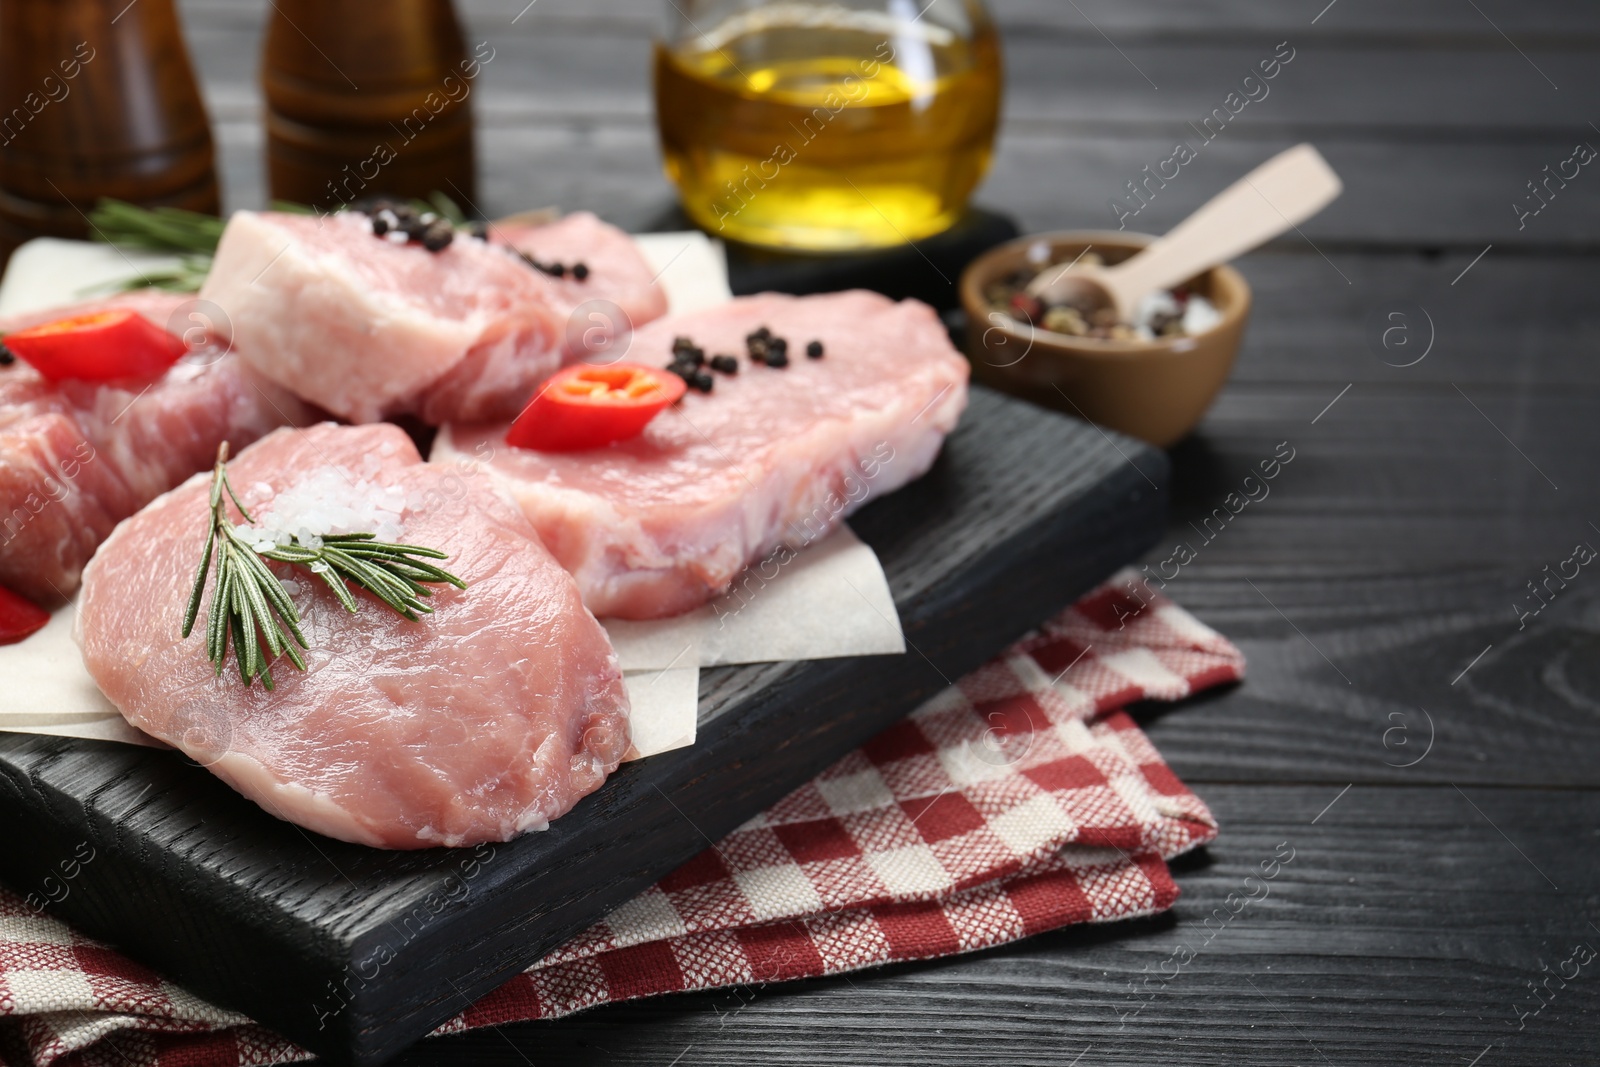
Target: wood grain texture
(364, 951)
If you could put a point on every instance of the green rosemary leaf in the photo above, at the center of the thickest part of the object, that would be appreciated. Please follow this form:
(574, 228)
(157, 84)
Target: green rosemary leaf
(380, 548)
(193, 609)
(322, 570)
(162, 229)
(258, 616)
(245, 651)
(216, 624)
(447, 207)
(187, 277)
(290, 651)
(373, 580)
(228, 485)
(291, 553)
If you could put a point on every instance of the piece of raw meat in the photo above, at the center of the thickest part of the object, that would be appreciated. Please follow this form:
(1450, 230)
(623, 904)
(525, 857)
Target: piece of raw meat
(76, 457)
(617, 272)
(618, 294)
(663, 522)
(368, 328)
(485, 719)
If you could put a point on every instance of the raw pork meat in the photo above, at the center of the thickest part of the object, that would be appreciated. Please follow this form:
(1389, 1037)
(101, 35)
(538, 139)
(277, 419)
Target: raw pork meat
(487, 718)
(619, 294)
(368, 328)
(78, 457)
(661, 523)
(617, 272)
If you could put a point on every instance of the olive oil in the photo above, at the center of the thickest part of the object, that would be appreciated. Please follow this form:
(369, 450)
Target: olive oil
(820, 128)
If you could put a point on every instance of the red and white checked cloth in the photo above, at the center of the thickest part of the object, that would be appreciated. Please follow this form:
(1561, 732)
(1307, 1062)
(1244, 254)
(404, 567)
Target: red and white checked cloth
(1019, 800)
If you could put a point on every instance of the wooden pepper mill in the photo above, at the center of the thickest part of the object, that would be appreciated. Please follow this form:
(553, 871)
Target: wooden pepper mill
(102, 102)
(366, 100)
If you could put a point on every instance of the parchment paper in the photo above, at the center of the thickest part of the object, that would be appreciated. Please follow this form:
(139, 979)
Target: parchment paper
(827, 601)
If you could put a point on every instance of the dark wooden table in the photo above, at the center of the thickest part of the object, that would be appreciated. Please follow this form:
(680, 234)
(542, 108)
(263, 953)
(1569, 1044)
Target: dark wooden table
(1429, 754)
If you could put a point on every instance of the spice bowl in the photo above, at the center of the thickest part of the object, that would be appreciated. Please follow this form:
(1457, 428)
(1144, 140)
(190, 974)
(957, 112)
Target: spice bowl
(1156, 390)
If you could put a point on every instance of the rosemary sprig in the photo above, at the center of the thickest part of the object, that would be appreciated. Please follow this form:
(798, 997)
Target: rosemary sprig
(161, 229)
(250, 607)
(164, 229)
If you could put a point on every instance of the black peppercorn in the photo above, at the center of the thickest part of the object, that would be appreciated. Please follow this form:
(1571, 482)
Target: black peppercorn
(480, 230)
(725, 364)
(438, 235)
(814, 350)
(777, 358)
(6, 356)
(702, 381)
(682, 344)
(380, 225)
(580, 271)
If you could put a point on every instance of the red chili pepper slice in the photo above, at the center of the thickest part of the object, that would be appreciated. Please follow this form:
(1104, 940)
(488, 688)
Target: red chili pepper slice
(587, 406)
(18, 617)
(100, 346)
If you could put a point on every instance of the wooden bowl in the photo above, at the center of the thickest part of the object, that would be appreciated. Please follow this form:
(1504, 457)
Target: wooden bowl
(1154, 390)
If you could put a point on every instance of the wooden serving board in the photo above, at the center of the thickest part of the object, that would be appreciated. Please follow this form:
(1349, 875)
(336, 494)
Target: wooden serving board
(355, 953)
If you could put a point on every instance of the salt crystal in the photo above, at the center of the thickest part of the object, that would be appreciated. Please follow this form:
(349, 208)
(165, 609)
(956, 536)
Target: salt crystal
(1199, 315)
(331, 500)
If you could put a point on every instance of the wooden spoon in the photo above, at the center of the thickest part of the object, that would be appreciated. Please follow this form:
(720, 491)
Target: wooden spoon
(1277, 196)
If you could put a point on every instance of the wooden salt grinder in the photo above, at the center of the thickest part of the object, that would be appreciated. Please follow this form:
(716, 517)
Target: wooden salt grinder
(100, 100)
(366, 100)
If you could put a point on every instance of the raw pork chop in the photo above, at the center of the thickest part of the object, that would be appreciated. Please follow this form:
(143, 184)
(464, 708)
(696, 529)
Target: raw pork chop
(368, 328)
(487, 718)
(619, 293)
(78, 457)
(661, 523)
(617, 272)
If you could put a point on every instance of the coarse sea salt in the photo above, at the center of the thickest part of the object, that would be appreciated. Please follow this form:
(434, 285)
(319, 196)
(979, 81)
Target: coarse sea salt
(1198, 313)
(331, 501)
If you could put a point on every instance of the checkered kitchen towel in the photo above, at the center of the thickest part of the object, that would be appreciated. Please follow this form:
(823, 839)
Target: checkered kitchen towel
(1019, 800)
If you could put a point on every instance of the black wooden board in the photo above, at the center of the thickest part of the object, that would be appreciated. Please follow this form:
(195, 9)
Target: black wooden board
(355, 952)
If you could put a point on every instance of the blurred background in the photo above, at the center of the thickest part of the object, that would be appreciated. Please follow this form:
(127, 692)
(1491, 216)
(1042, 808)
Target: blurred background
(1395, 95)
